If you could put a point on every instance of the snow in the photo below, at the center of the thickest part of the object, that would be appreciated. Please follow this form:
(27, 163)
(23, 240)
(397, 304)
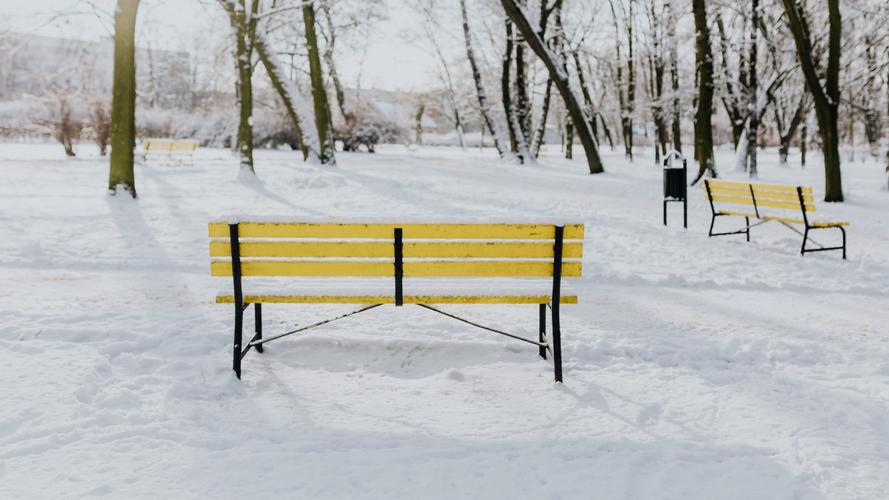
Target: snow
(695, 368)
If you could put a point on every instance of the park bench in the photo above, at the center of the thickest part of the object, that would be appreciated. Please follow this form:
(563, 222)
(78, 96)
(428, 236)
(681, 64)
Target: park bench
(787, 205)
(169, 148)
(427, 264)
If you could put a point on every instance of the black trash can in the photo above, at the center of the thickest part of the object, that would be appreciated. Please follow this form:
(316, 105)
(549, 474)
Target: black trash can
(676, 184)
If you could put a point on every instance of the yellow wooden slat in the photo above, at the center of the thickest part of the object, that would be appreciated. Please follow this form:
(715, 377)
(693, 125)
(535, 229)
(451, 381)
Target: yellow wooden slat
(733, 199)
(222, 248)
(184, 146)
(780, 188)
(829, 223)
(500, 250)
(762, 203)
(735, 212)
(411, 269)
(385, 231)
(484, 269)
(790, 197)
(388, 299)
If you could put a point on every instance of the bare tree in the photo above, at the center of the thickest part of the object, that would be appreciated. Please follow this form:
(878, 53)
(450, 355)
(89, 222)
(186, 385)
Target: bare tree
(123, 100)
(826, 98)
(704, 62)
(560, 79)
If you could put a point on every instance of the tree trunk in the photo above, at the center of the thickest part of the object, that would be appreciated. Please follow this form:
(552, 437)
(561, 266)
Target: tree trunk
(560, 78)
(326, 152)
(506, 88)
(704, 62)
(286, 91)
(123, 99)
(803, 138)
(500, 142)
(243, 25)
(676, 124)
(540, 135)
(418, 123)
(753, 86)
(825, 99)
(627, 118)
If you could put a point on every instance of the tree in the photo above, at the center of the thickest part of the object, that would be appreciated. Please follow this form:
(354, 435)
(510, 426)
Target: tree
(560, 79)
(826, 98)
(500, 141)
(243, 25)
(704, 62)
(319, 93)
(123, 100)
(676, 124)
(753, 88)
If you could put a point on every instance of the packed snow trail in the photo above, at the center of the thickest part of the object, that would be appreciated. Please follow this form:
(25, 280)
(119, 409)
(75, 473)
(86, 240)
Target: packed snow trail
(694, 367)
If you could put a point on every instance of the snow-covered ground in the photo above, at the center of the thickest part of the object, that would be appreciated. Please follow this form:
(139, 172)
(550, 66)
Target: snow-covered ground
(696, 368)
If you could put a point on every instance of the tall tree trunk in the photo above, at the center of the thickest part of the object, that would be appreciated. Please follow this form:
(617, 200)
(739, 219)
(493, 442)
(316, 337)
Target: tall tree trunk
(676, 125)
(560, 78)
(753, 87)
(803, 140)
(506, 87)
(704, 62)
(418, 123)
(825, 99)
(123, 99)
(243, 26)
(326, 152)
(289, 95)
(627, 119)
(540, 134)
(500, 142)
(523, 103)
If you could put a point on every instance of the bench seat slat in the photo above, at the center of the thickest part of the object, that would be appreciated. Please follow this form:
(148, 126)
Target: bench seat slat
(389, 299)
(466, 250)
(379, 268)
(385, 231)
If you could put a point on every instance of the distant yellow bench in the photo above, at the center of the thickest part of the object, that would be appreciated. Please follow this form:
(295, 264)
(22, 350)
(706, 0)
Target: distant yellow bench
(416, 263)
(787, 205)
(168, 147)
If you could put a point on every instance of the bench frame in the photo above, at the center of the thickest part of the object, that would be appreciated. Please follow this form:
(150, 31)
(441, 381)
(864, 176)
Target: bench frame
(805, 234)
(544, 343)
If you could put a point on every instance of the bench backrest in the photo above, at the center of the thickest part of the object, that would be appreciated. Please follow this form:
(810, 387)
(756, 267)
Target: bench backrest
(365, 250)
(169, 145)
(760, 196)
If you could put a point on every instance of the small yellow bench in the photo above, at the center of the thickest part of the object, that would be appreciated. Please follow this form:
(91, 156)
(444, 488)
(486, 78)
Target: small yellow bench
(168, 147)
(787, 205)
(426, 264)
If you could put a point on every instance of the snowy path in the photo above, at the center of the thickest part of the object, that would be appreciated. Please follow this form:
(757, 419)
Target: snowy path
(695, 368)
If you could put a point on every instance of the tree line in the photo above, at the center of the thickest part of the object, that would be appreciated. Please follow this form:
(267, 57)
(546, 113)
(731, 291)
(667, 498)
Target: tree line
(603, 72)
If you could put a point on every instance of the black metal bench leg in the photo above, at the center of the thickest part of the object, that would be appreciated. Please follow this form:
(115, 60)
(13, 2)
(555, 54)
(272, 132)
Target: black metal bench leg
(844, 241)
(236, 348)
(712, 223)
(257, 316)
(747, 220)
(542, 325)
(557, 343)
(805, 239)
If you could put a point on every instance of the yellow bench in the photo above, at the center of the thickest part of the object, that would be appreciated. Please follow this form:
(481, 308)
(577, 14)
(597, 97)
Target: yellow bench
(415, 263)
(169, 147)
(786, 205)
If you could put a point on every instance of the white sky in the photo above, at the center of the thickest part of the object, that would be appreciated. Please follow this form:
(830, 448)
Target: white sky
(385, 61)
